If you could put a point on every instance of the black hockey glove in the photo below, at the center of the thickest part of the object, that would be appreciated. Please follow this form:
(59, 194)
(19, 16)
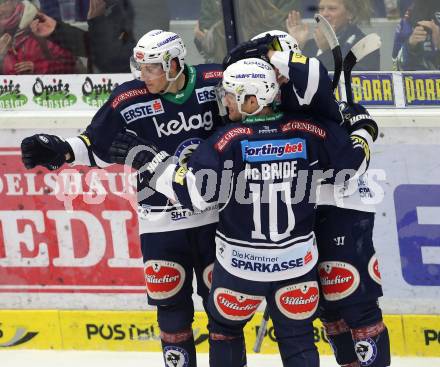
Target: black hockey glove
(357, 117)
(144, 156)
(257, 48)
(45, 150)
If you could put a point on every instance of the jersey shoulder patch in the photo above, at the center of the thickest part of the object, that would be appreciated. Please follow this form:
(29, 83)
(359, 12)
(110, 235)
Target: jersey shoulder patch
(128, 91)
(210, 73)
(296, 57)
(304, 126)
(231, 134)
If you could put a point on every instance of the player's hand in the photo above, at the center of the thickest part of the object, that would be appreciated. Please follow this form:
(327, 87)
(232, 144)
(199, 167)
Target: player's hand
(297, 28)
(357, 117)
(43, 25)
(45, 150)
(258, 48)
(144, 156)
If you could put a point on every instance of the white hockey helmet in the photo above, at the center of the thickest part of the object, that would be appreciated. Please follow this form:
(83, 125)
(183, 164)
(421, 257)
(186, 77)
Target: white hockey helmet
(161, 47)
(251, 77)
(135, 68)
(288, 43)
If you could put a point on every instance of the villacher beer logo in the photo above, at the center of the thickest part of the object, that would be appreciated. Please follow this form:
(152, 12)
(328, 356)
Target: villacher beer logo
(373, 269)
(234, 305)
(54, 95)
(298, 301)
(96, 94)
(207, 275)
(164, 278)
(11, 96)
(338, 279)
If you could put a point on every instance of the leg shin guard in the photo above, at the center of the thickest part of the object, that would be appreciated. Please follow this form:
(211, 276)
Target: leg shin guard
(372, 345)
(339, 336)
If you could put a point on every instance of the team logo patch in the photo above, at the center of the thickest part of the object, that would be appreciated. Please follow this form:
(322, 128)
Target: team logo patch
(366, 351)
(214, 74)
(373, 269)
(175, 357)
(207, 275)
(164, 278)
(231, 135)
(298, 301)
(139, 56)
(206, 94)
(273, 150)
(128, 95)
(185, 149)
(304, 126)
(296, 57)
(338, 279)
(236, 306)
(142, 110)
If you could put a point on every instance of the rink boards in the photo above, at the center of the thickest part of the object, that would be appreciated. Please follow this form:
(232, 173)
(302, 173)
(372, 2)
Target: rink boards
(417, 335)
(89, 258)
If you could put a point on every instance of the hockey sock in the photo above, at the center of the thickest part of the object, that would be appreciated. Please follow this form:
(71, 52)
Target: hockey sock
(372, 345)
(226, 350)
(296, 345)
(339, 336)
(179, 349)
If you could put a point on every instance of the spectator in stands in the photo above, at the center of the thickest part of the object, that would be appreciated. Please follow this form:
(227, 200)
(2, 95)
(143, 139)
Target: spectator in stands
(417, 38)
(52, 9)
(252, 17)
(344, 16)
(22, 51)
(152, 14)
(109, 42)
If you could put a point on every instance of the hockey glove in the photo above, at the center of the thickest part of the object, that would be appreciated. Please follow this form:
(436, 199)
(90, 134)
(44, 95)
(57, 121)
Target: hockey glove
(357, 117)
(131, 150)
(45, 150)
(257, 48)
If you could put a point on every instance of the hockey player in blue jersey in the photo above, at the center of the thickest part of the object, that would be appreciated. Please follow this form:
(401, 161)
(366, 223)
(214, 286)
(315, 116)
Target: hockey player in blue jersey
(266, 246)
(350, 312)
(174, 106)
(304, 82)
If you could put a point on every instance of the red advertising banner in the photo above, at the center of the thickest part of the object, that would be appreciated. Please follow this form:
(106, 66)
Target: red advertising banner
(68, 231)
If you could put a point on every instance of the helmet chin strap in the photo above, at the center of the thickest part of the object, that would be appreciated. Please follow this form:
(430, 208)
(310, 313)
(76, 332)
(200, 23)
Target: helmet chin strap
(171, 81)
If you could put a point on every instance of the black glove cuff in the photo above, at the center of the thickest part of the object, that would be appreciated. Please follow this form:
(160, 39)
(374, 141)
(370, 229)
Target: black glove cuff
(364, 122)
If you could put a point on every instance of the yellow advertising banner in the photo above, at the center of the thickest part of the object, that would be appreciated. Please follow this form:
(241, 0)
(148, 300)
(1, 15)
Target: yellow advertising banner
(138, 331)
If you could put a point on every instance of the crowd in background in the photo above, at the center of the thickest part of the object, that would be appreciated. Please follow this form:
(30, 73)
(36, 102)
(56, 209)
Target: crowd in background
(97, 36)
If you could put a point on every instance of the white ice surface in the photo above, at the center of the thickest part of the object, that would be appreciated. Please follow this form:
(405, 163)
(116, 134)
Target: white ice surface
(25, 358)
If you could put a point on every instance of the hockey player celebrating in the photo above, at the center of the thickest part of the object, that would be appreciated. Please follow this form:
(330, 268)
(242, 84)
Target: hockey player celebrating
(349, 310)
(265, 240)
(174, 106)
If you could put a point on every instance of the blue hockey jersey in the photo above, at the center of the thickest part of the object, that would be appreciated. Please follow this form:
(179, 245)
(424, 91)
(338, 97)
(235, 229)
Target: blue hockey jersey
(176, 123)
(309, 87)
(263, 174)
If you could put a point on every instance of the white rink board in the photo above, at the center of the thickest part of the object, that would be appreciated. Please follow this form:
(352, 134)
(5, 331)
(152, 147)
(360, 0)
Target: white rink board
(408, 150)
(114, 359)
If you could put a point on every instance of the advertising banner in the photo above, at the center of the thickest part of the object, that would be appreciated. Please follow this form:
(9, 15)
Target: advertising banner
(69, 238)
(83, 92)
(71, 230)
(57, 92)
(139, 331)
(421, 89)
